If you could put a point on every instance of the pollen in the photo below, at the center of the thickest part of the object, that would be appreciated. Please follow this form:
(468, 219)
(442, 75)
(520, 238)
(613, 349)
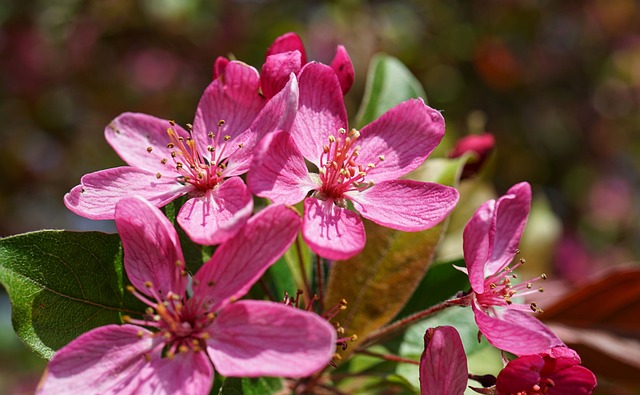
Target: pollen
(149, 149)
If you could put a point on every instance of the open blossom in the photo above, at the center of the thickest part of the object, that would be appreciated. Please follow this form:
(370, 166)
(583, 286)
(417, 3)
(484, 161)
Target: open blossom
(361, 167)
(172, 348)
(203, 162)
(554, 372)
(491, 239)
(443, 364)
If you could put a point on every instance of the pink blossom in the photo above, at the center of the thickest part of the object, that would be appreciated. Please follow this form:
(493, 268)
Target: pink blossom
(554, 372)
(361, 167)
(491, 239)
(287, 55)
(172, 348)
(481, 145)
(443, 364)
(203, 162)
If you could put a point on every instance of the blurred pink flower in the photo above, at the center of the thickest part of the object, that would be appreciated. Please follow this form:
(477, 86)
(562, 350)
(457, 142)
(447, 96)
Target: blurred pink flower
(491, 239)
(443, 364)
(358, 167)
(554, 372)
(245, 338)
(480, 145)
(166, 161)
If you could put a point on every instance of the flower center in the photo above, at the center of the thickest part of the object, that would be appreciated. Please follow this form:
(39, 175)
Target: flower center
(499, 290)
(541, 388)
(339, 170)
(202, 171)
(181, 327)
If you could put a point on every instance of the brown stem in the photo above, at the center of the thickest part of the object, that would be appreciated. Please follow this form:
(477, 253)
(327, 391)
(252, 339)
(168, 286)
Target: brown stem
(320, 279)
(388, 357)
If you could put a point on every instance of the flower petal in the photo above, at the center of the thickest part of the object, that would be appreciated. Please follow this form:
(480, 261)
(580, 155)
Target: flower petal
(510, 218)
(443, 364)
(106, 360)
(258, 338)
(321, 110)
(516, 332)
(217, 215)
(233, 98)
(276, 71)
(405, 204)
(187, 373)
(132, 134)
(576, 380)
(343, 67)
(405, 135)
(330, 231)
(152, 250)
(520, 374)
(279, 171)
(98, 193)
(286, 43)
(238, 264)
(476, 242)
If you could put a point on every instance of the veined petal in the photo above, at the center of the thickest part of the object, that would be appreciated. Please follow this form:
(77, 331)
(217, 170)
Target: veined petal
(405, 204)
(232, 98)
(286, 43)
(98, 193)
(152, 250)
(279, 171)
(510, 218)
(257, 338)
(476, 244)
(238, 264)
(106, 360)
(516, 332)
(330, 231)
(405, 135)
(141, 141)
(276, 70)
(187, 373)
(217, 215)
(321, 110)
(443, 365)
(343, 68)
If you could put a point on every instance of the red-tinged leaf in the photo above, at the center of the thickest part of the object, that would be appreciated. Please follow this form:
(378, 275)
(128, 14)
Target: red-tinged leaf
(378, 282)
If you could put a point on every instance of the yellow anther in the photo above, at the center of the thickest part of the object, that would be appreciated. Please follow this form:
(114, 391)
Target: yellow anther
(158, 176)
(148, 284)
(381, 157)
(227, 138)
(149, 149)
(126, 318)
(163, 161)
(221, 122)
(189, 126)
(130, 288)
(172, 122)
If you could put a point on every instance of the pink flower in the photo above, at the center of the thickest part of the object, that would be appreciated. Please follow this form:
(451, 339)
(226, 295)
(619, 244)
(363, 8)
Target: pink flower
(491, 239)
(166, 161)
(358, 167)
(287, 55)
(185, 336)
(554, 372)
(443, 364)
(481, 145)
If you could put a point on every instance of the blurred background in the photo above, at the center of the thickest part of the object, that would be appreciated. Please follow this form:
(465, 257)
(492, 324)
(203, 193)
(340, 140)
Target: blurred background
(556, 83)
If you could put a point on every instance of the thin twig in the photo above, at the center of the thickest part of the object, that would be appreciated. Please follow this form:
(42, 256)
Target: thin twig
(320, 280)
(389, 357)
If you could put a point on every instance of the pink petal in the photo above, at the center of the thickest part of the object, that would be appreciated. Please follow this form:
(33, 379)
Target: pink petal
(321, 110)
(286, 43)
(98, 193)
(106, 360)
(576, 380)
(257, 338)
(477, 242)
(276, 71)
(219, 66)
(330, 231)
(235, 99)
(151, 247)
(343, 68)
(278, 114)
(405, 204)
(510, 217)
(187, 373)
(516, 332)
(279, 171)
(443, 365)
(405, 135)
(520, 374)
(217, 215)
(238, 264)
(132, 134)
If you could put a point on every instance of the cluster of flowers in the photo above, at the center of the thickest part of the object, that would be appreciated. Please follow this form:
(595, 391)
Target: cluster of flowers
(275, 126)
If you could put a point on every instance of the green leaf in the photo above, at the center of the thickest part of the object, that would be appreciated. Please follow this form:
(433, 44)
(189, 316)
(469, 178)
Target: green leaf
(253, 386)
(379, 281)
(62, 284)
(389, 82)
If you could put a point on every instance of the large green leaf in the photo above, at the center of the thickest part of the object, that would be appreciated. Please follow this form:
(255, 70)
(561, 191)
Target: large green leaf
(378, 282)
(62, 284)
(389, 82)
